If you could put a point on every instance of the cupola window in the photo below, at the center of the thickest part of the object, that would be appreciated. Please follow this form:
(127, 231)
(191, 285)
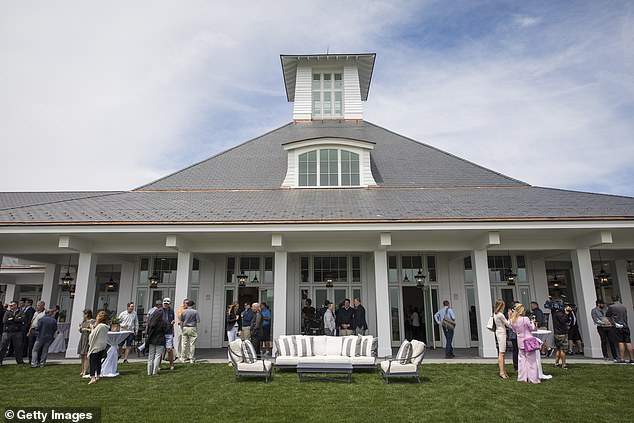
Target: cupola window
(327, 95)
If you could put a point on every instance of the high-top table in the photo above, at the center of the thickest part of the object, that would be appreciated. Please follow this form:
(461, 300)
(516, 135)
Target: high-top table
(542, 335)
(59, 342)
(109, 366)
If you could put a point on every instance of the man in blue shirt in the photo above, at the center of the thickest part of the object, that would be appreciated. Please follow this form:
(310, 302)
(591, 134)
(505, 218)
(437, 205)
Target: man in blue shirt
(246, 317)
(446, 318)
(46, 328)
(266, 329)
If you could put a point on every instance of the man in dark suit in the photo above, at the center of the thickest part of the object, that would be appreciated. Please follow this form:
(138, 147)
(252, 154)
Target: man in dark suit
(360, 325)
(13, 332)
(345, 319)
(28, 312)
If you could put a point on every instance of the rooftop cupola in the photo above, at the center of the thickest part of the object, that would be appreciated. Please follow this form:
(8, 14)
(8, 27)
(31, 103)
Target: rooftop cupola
(327, 86)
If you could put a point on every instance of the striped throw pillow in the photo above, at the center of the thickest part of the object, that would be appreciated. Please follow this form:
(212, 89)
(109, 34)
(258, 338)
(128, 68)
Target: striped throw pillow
(285, 346)
(404, 355)
(304, 346)
(248, 351)
(349, 346)
(366, 344)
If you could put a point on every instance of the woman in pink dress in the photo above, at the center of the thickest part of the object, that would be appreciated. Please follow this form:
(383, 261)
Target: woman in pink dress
(527, 364)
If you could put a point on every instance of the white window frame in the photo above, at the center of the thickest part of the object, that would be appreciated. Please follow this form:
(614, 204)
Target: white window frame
(320, 114)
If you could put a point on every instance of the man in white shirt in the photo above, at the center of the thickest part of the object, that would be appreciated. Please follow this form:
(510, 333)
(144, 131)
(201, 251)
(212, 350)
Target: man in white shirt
(129, 321)
(446, 318)
(32, 332)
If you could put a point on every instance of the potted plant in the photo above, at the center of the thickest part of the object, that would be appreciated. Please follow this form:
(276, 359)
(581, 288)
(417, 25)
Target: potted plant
(115, 324)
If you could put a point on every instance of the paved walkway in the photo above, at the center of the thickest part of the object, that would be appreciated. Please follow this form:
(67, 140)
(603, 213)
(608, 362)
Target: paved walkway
(433, 356)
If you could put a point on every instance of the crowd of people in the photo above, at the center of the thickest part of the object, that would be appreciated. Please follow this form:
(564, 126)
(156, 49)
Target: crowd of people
(518, 328)
(27, 331)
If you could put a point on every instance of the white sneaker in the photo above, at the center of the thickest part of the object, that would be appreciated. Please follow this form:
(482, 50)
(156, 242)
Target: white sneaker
(191, 361)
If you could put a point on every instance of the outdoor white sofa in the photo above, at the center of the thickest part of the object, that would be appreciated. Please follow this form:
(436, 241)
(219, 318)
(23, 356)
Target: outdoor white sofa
(406, 363)
(242, 368)
(360, 351)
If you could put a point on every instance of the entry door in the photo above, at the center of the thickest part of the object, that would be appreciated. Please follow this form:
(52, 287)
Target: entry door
(506, 293)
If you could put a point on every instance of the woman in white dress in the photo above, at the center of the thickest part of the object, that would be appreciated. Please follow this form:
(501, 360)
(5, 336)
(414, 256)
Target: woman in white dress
(501, 324)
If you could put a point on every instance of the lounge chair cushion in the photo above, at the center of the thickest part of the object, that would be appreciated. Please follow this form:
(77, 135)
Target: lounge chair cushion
(404, 355)
(255, 366)
(418, 348)
(236, 350)
(248, 352)
(398, 367)
(362, 360)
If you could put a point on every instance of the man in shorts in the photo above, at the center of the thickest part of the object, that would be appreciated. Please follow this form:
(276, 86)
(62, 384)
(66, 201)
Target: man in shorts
(617, 313)
(561, 326)
(129, 321)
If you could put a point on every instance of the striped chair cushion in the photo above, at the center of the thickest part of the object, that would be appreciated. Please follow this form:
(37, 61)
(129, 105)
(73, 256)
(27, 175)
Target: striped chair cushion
(349, 346)
(404, 355)
(248, 351)
(285, 346)
(366, 345)
(304, 346)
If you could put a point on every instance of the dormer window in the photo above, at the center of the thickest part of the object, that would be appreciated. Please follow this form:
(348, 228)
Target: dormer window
(328, 163)
(330, 167)
(327, 95)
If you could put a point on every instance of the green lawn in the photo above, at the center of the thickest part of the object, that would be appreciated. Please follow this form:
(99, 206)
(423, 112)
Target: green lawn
(449, 392)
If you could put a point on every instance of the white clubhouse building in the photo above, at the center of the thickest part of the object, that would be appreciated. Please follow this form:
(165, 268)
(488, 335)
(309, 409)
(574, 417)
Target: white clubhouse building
(329, 197)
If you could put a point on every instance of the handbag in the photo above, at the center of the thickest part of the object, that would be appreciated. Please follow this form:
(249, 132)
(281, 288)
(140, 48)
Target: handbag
(448, 323)
(491, 324)
(531, 344)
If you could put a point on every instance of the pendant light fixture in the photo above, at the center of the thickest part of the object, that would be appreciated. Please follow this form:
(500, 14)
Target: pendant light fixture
(67, 278)
(420, 276)
(509, 276)
(155, 278)
(603, 276)
(111, 283)
(329, 279)
(242, 277)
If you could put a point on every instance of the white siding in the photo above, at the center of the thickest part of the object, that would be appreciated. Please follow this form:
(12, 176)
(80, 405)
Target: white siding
(303, 94)
(291, 171)
(365, 170)
(351, 93)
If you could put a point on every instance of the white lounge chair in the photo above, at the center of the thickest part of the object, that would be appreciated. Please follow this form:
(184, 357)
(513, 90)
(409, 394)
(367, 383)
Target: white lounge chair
(394, 368)
(242, 368)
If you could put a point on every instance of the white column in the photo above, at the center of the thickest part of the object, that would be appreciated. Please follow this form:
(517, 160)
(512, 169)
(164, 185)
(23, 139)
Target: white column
(84, 298)
(624, 290)
(540, 281)
(280, 293)
(479, 262)
(50, 285)
(585, 299)
(9, 295)
(383, 315)
(183, 283)
(125, 286)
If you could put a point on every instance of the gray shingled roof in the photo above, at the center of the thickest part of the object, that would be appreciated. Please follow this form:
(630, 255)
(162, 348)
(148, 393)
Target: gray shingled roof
(326, 205)
(417, 183)
(397, 161)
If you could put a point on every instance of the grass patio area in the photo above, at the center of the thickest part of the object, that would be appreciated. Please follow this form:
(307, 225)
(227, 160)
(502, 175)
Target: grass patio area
(449, 392)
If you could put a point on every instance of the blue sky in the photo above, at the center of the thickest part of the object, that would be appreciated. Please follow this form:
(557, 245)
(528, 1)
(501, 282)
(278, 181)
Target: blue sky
(109, 96)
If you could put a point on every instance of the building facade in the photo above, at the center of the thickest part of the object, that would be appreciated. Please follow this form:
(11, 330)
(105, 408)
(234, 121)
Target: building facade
(329, 206)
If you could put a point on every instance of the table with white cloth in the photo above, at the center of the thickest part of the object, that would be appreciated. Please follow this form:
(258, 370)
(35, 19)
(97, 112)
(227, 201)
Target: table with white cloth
(109, 366)
(542, 335)
(59, 342)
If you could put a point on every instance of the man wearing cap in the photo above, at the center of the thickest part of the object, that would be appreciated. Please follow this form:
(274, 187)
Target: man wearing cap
(168, 316)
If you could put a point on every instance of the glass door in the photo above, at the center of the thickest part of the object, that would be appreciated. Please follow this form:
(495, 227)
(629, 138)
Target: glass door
(473, 316)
